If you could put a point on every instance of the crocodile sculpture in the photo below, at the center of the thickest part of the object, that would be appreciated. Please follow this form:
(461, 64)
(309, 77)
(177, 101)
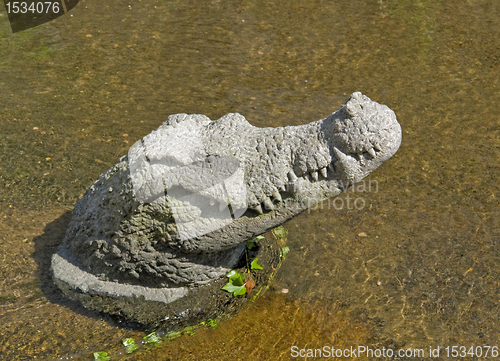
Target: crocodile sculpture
(177, 210)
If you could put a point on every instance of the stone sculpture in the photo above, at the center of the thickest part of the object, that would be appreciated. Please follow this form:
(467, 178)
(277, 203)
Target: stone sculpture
(175, 212)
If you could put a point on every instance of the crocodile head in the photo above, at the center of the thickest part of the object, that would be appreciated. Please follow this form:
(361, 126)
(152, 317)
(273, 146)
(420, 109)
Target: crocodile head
(350, 144)
(362, 135)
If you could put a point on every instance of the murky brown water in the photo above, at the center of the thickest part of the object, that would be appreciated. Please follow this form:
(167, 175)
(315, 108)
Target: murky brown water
(417, 266)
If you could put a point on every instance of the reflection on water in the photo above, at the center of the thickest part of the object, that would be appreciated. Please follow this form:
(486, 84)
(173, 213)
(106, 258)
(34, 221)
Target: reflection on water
(418, 266)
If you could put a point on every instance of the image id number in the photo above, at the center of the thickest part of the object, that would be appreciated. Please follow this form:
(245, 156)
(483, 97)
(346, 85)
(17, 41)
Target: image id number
(479, 351)
(41, 7)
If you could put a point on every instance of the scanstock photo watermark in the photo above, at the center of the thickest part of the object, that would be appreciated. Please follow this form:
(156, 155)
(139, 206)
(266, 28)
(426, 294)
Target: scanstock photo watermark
(364, 352)
(350, 198)
(28, 14)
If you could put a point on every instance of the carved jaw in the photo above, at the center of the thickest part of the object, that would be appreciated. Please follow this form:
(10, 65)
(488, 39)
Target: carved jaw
(339, 151)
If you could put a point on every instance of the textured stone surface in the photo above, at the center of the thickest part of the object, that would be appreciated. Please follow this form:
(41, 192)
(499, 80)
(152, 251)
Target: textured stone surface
(165, 308)
(177, 210)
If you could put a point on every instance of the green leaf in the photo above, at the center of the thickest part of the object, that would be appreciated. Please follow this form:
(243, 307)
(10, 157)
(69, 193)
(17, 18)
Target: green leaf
(255, 265)
(173, 334)
(280, 232)
(284, 251)
(101, 356)
(253, 243)
(236, 284)
(130, 345)
(237, 279)
(235, 290)
(152, 339)
(212, 323)
(188, 330)
(241, 291)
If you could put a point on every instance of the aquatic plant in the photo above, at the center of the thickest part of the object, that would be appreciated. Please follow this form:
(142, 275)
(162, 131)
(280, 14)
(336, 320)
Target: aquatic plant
(240, 283)
(253, 243)
(236, 283)
(284, 251)
(280, 232)
(255, 265)
(152, 339)
(130, 345)
(101, 356)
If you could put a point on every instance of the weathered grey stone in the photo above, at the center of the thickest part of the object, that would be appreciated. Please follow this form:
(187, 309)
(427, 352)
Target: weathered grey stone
(177, 210)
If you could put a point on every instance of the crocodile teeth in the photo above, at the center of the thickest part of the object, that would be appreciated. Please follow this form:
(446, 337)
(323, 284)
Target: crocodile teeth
(292, 176)
(252, 200)
(332, 167)
(339, 155)
(276, 195)
(377, 146)
(283, 188)
(268, 205)
(371, 152)
(212, 201)
(314, 175)
(323, 172)
(342, 160)
(258, 209)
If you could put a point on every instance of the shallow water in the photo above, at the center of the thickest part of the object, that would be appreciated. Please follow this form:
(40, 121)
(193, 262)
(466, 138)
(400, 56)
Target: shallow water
(416, 266)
